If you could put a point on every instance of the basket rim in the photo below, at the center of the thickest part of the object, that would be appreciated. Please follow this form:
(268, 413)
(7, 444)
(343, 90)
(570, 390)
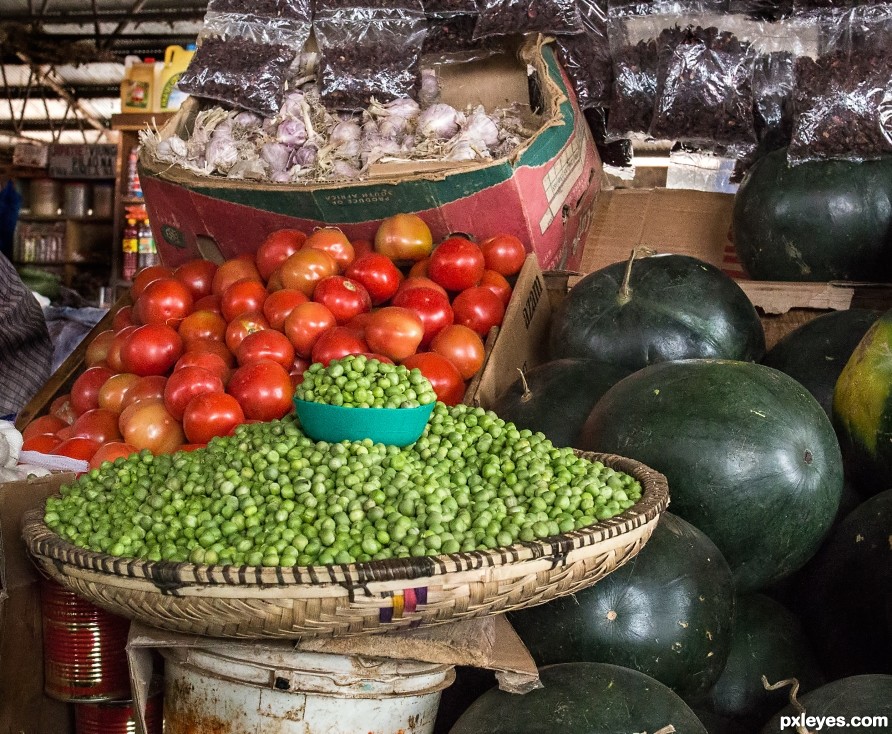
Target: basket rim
(168, 576)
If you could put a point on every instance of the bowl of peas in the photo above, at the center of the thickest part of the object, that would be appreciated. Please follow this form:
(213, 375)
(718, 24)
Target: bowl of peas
(358, 397)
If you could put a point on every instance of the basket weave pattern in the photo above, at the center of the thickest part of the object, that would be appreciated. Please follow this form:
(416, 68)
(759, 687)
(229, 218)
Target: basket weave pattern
(362, 598)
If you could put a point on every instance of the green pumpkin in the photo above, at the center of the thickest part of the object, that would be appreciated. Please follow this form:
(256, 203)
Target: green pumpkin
(816, 221)
(582, 698)
(666, 613)
(750, 456)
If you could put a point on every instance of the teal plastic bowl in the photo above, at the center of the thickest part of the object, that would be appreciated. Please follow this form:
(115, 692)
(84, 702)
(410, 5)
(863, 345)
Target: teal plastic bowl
(334, 423)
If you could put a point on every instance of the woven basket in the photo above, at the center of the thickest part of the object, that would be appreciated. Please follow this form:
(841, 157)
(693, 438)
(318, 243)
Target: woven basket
(362, 598)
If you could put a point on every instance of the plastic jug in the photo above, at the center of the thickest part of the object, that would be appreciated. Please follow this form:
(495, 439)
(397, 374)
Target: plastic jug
(138, 87)
(176, 59)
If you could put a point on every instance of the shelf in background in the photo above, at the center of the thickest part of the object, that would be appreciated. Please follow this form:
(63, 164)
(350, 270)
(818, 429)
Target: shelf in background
(139, 121)
(132, 200)
(63, 218)
(58, 263)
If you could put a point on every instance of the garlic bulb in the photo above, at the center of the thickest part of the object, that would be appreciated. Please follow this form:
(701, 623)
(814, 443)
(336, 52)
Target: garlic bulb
(292, 132)
(439, 121)
(277, 155)
(481, 127)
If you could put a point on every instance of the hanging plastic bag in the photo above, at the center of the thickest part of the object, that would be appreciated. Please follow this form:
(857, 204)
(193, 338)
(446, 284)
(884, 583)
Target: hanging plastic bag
(704, 88)
(450, 39)
(507, 17)
(586, 56)
(842, 99)
(284, 22)
(239, 72)
(367, 52)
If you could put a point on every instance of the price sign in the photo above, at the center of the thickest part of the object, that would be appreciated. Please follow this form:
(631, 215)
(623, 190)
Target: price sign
(83, 161)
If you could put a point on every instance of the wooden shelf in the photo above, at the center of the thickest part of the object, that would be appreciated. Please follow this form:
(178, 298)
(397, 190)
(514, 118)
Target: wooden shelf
(139, 121)
(63, 218)
(59, 263)
(132, 200)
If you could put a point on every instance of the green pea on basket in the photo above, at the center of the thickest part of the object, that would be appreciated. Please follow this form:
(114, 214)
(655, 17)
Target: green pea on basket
(360, 397)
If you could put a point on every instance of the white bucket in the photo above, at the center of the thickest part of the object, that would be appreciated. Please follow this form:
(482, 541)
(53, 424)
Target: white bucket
(244, 688)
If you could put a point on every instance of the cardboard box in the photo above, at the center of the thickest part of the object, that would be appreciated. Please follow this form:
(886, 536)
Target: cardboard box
(24, 709)
(543, 193)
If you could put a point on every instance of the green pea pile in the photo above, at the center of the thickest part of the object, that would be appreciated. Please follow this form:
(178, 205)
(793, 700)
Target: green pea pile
(270, 496)
(360, 382)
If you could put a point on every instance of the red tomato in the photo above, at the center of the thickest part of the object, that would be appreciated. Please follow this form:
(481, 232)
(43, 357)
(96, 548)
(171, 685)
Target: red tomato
(212, 346)
(334, 242)
(197, 276)
(266, 344)
(164, 301)
(358, 323)
(243, 296)
(263, 389)
(43, 425)
(377, 273)
(110, 452)
(296, 373)
(151, 350)
(43, 443)
(497, 283)
(146, 276)
(305, 324)
(208, 303)
(63, 434)
(362, 247)
(148, 425)
(305, 268)
(280, 304)
(85, 390)
(113, 394)
(404, 237)
(241, 326)
(98, 425)
(503, 253)
(275, 282)
(394, 332)
(148, 388)
(344, 297)
(379, 357)
(336, 343)
(189, 447)
(202, 325)
(443, 375)
(114, 351)
(415, 282)
(209, 361)
(229, 272)
(431, 306)
(210, 415)
(77, 448)
(276, 248)
(479, 309)
(97, 349)
(61, 408)
(419, 269)
(124, 317)
(456, 264)
(187, 383)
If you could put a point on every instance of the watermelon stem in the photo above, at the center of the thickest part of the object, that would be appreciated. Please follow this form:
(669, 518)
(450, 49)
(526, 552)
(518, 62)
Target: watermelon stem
(625, 292)
(794, 701)
(527, 393)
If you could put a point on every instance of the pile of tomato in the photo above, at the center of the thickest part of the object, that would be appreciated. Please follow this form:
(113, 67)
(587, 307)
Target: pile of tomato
(205, 348)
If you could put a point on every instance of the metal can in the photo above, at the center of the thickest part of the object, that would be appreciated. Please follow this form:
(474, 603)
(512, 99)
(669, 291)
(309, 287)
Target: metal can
(119, 717)
(84, 655)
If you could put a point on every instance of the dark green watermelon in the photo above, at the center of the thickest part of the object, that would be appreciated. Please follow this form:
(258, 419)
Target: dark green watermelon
(857, 696)
(846, 592)
(666, 613)
(818, 221)
(768, 640)
(815, 353)
(676, 307)
(556, 397)
(582, 698)
(716, 724)
(751, 458)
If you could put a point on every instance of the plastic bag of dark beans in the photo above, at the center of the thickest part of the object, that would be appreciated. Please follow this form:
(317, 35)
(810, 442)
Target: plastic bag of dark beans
(704, 88)
(761, 9)
(842, 100)
(239, 72)
(450, 39)
(285, 22)
(368, 51)
(773, 99)
(586, 56)
(506, 17)
(446, 7)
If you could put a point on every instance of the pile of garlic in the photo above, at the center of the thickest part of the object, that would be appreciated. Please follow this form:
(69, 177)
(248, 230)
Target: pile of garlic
(305, 143)
(11, 442)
